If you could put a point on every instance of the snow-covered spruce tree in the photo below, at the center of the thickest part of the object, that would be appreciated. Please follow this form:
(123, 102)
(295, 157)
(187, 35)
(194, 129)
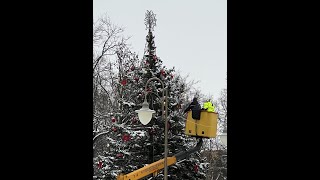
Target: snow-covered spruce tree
(152, 66)
(130, 145)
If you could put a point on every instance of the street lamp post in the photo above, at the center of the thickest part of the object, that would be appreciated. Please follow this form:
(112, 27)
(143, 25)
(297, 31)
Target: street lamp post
(145, 115)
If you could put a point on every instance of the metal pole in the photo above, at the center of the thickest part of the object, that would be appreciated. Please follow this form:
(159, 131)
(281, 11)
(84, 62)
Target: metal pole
(164, 116)
(166, 139)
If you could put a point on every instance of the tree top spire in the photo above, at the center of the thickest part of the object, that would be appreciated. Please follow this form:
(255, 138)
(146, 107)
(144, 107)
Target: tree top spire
(150, 20)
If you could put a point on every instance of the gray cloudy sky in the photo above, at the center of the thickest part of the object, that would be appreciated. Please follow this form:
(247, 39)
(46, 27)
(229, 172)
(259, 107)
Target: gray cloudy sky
(189, 35)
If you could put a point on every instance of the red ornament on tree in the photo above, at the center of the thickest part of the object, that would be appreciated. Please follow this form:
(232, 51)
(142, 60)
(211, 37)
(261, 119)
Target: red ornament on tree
(126, 137)
(119, 155)
(114, 129)
(136, 79)
(100, 165)
(113, 119)
(124, 82)
(196, 168)
(162, 72)
(171, 76)
(132, 68)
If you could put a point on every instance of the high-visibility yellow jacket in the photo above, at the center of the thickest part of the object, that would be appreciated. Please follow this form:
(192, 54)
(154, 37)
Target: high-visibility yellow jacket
(208, 106)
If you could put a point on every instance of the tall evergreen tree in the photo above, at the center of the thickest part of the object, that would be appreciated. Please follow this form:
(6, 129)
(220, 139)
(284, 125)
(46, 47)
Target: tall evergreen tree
(131, 145)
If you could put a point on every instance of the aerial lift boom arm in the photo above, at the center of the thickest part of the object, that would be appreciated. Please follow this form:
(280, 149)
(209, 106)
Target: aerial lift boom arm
(158, 165)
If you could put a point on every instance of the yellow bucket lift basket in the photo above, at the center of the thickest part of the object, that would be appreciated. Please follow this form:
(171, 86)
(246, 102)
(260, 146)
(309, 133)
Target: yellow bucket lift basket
(205, 127)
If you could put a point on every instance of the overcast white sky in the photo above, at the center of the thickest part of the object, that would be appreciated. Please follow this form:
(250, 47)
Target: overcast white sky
(189, 35)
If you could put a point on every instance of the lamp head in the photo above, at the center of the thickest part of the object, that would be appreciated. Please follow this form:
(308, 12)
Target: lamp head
(145, 114)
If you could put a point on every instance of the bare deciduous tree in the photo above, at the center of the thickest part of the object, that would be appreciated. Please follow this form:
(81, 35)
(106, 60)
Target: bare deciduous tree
(108, 39)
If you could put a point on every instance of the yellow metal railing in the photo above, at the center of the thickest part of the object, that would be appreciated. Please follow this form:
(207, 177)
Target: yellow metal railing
(205, 127)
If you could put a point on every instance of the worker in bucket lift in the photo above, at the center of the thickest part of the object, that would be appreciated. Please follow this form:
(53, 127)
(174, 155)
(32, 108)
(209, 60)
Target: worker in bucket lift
(208, 106)
(195, 107)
